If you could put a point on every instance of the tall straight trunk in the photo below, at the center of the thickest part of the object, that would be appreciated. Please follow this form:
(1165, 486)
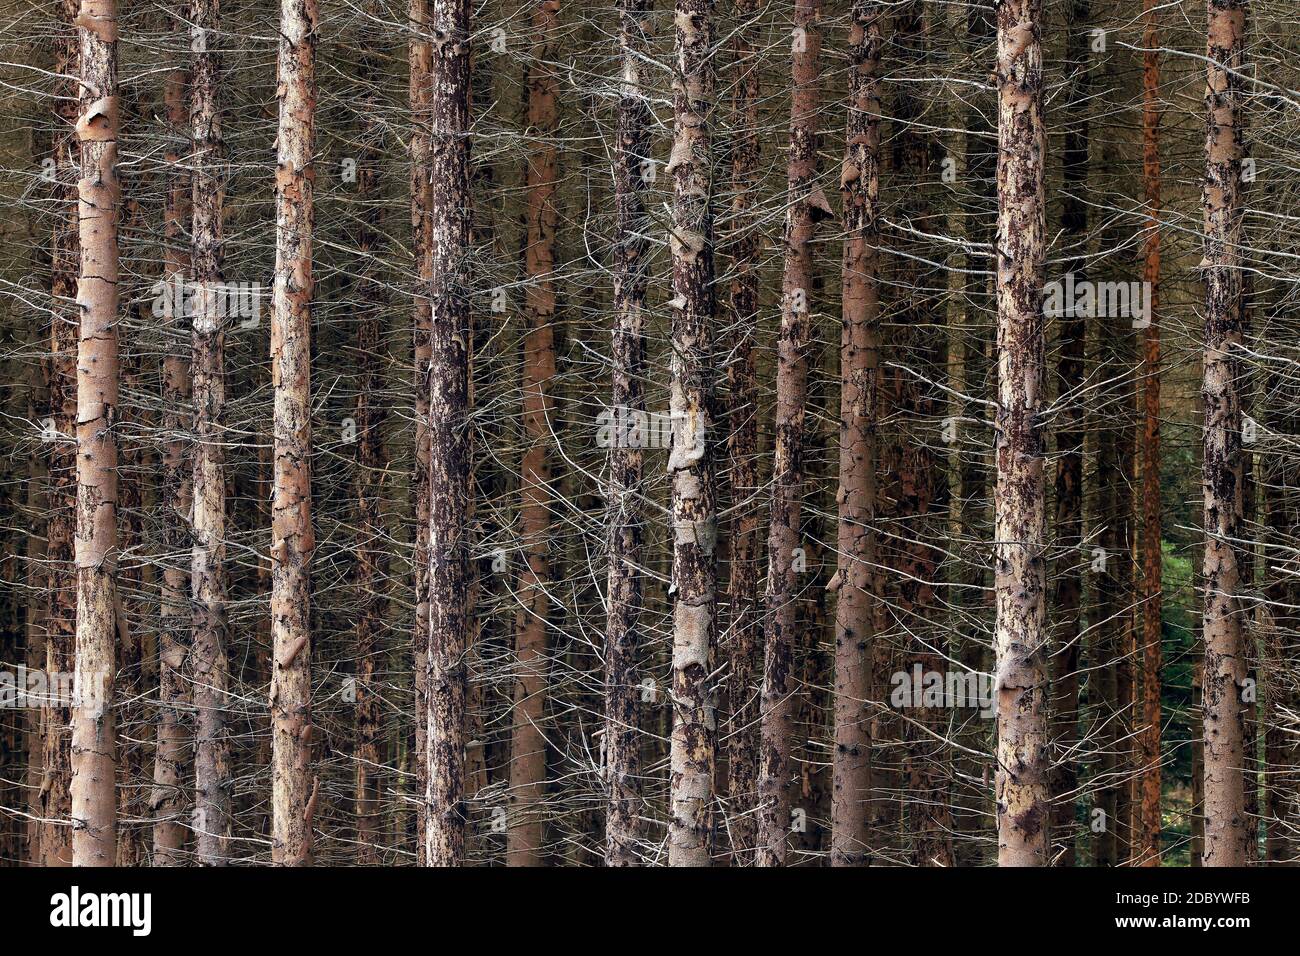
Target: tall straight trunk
(171, 752)
(55, 833)
(1227, 833)
(806, 204)
(1146, 839)
(371, 568)
(208, 662)
(742, 442)
(293, 792)
(420, 52)
(627, 397)
(690, 464)
(859, 386)
(1020, 641)
(527, 742)
(97, 552)
(449, 543)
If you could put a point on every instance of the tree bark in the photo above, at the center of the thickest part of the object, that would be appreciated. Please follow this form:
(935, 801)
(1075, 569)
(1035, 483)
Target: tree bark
(293, 789)
(97, 550)
(171, 754)
(807, 204)
(690, 464)
(208, 661)
(859, 387)
(627, 398)
(1022, 792)
(448, 433)
(420, 54)
(742, 444)
(527, 742)
(1227, 832)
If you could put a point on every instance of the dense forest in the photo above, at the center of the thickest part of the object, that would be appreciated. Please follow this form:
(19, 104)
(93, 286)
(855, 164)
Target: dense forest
(559, 433)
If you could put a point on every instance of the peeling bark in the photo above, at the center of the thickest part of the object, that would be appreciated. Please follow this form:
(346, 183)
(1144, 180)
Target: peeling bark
(449, 234)
(1020, 642)
(807, 205)
(97, 550)
(623, 627)
(1227, 830)
(690, 464)
(859, 401)
(292, 536)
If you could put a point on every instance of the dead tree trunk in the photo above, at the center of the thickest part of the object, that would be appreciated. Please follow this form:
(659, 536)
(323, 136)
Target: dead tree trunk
(449, 227)
(807, 205)
(627, 398)
(293, 791)
(419, 54)
(859, 385)
(209, 665)
(174, 729)
(690, 464)
(742, 443)
(1020, 643)
(99, 611)
(1227, 833)
(527, 742)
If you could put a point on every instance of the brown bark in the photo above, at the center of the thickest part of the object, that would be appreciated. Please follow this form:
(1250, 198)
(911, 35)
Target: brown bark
(690, 464)
(527, 742)
(807, 204)
(859, 387)
(208, 662)
(449, 224)
(97, 550)
(742, 445)
(1227, 833)
(174, 641)
(292, 535)
(55, 836)
(420, 52)
(1146, 846)
(1020, 642)
(627, 396)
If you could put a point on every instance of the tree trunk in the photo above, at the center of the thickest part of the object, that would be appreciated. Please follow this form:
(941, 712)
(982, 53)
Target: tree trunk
(527, 742)
(208, 660)
(1227, 833)
(448, 434)
(97, 552)
(293, 790)
(1020, 643)
(859, 386)
(627, 398)
(742, 444)
(1146, 841)
(419, 54)
(174, 642)
(807, 204)
(690, 464)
